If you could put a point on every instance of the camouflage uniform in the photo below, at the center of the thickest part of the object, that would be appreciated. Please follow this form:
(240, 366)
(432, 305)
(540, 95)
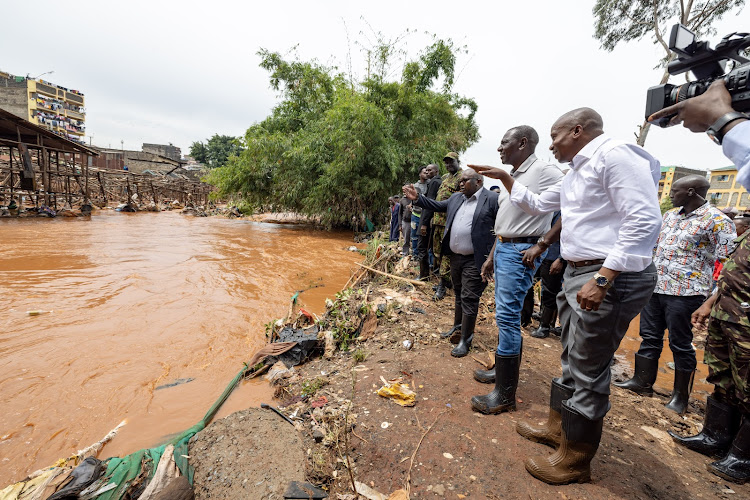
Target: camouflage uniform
(447, 188)
(728, 346)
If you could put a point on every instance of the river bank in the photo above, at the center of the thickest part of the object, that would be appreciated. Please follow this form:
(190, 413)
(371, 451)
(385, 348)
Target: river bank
(439, 447)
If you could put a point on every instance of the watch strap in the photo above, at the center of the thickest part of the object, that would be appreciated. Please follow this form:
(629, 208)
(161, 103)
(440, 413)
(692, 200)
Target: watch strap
(714, 131)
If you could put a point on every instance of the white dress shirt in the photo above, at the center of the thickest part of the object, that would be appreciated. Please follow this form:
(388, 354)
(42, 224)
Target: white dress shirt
(736, 147)
(608, 202)
(460, 242)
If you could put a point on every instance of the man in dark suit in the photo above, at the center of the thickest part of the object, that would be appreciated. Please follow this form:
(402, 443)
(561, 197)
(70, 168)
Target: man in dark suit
(467, 242)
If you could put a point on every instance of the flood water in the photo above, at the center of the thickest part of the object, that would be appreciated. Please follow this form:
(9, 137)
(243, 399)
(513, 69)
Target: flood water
(132, 302)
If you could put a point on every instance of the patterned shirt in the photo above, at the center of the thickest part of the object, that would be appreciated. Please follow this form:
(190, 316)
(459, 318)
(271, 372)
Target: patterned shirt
(687, 248)
(447, 188)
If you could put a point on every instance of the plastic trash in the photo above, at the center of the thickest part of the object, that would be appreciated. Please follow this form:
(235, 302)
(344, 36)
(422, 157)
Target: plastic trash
(398, 392)
(37, 312)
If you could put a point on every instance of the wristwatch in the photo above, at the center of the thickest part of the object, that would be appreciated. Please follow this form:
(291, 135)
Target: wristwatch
(542, 242)
(714, 131)
(602, 281)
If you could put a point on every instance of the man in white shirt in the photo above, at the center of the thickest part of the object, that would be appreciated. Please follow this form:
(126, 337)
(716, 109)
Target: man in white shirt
(611, 221)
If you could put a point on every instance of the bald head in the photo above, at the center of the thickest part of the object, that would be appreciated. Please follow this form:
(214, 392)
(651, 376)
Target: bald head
(573, 130)
(699, 184)
(587, 118)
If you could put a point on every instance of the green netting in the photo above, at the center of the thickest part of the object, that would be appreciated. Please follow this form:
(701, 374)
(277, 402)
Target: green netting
(122, 471)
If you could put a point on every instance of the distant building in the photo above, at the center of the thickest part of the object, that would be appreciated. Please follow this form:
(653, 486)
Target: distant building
(672, 173)
(172, 152)
(725, 191)
(137, 162)
(56, 108)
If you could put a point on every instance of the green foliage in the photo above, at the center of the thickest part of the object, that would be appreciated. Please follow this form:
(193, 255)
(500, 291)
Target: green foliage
(310, 387)
(335, 148)
(666, 205)
(627, 20)
(216, 151)
(360, 355)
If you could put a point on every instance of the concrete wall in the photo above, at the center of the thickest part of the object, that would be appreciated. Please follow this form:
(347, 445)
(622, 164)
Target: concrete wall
(15, 100)
(171, 152)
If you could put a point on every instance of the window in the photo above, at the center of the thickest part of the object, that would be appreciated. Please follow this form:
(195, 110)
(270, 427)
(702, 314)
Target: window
(722, 178)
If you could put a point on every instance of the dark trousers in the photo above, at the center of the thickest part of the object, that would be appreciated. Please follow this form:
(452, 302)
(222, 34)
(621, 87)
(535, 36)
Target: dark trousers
(670, 312)
(551, 285)
(423, 245)
(467, 283)
(406, 233)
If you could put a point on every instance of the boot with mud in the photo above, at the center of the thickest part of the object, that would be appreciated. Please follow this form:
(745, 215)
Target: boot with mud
(546, 322)
(571, 463)
(735, 466)
(683, 385)
(719, 428)
(467, 335)
(488, 376)
(643, 378)
(503, 397)
(456, 330)
(550, 432)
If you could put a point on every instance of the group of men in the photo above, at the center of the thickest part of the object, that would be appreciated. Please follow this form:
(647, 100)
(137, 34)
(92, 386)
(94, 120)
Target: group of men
(621, 258)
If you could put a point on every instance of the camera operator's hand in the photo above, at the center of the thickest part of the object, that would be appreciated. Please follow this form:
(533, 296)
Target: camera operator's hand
(699, 113)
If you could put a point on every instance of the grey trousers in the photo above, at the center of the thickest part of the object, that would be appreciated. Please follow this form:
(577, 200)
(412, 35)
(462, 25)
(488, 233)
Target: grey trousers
(590, 338)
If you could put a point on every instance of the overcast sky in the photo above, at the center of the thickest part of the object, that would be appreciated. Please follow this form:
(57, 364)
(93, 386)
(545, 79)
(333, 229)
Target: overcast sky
(179, 71)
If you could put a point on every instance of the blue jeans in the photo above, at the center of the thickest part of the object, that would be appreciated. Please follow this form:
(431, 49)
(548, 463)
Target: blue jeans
(512, 281)
(414, 234)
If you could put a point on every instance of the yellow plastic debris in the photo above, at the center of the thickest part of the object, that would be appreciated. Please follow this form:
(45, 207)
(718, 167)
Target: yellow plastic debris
(398, 392)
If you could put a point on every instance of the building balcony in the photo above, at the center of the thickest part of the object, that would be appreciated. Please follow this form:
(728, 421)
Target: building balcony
(75, 114)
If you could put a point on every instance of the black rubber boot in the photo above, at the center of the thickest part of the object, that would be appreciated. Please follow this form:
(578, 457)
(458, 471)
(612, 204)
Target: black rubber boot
(488, 376)
(467, 335)
(683, 384)
(643, 378)
(735, 466)
(546, 322)
(571, 463)
(719, 427)
(503, 397)
(424, 269)
(441, 290)
(457, 315)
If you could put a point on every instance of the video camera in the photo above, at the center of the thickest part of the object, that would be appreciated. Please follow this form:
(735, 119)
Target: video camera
(707, 65)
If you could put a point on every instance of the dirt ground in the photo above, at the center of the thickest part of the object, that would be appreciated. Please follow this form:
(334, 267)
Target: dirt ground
(458, 453)
(248, 454)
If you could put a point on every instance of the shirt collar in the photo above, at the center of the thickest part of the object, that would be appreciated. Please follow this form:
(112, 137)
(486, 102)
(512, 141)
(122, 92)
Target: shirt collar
(698, 211)
(588, 151)
(525, 165)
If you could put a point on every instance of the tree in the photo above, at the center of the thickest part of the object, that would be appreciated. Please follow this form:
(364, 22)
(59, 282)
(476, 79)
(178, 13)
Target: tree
(337, 148)
(666, 205)
(216, 151)
(627, 20)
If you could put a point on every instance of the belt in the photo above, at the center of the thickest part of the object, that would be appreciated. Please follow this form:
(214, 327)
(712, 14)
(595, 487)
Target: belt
(584, 263)
(522, 239)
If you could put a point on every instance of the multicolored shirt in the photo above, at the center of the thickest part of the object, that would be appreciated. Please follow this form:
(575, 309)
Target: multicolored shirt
(733, 302)
(447, 188)
(687, 248)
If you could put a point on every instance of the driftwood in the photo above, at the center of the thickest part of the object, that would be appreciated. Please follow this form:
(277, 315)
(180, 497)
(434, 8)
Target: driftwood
(393, 276)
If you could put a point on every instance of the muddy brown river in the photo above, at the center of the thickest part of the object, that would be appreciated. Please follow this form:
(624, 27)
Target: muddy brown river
(123, 304)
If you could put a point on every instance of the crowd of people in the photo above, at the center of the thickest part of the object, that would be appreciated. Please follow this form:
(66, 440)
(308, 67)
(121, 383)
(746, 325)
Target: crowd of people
(591, 229)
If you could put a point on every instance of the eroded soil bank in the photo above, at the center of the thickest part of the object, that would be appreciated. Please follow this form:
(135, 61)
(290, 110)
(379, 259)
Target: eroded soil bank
(440, 447)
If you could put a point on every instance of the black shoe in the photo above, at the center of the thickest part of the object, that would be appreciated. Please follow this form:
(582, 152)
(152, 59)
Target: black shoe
(719, 428)
(735, 466)
(451, 332)
(456, 330)
(467, 335)
(503, 397)
(644, 376)
(683, 384)
(546, 320)
(537, 316)
(556, 331)
(440, 291)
